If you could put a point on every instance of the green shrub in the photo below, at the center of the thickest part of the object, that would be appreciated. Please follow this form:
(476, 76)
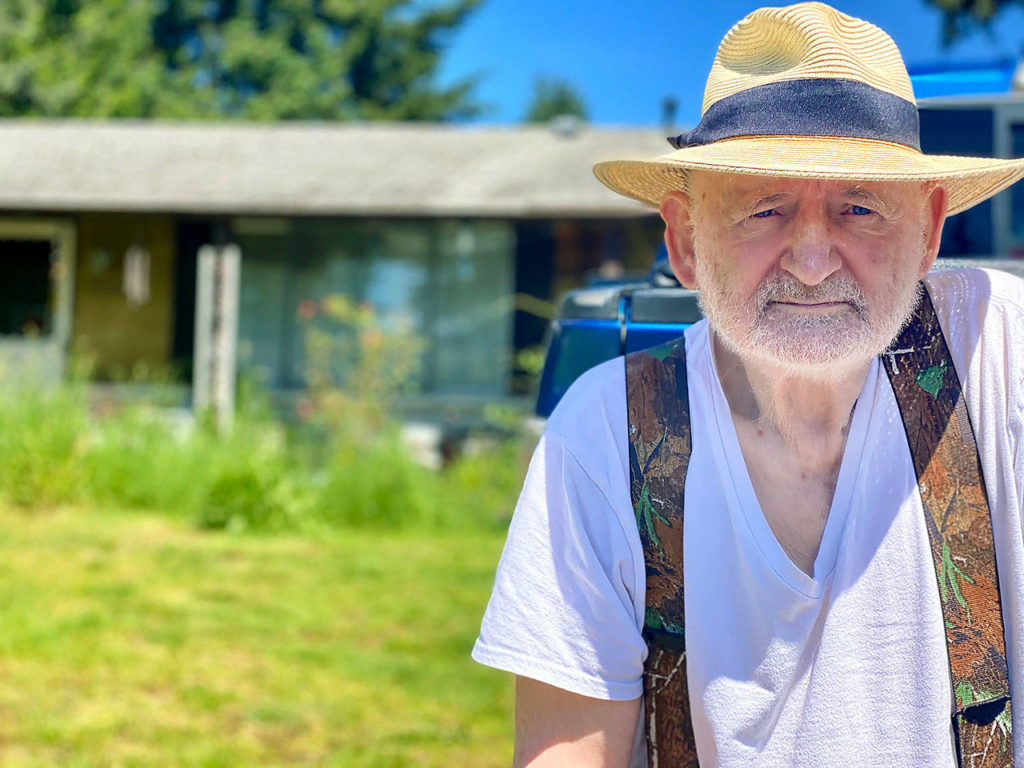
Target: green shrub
(255, 479)
(139, 458)
(357, 366)
(480, 489)
(377, 485)
(243, 500)
(147, 458)
(344, 465)
(43, 437)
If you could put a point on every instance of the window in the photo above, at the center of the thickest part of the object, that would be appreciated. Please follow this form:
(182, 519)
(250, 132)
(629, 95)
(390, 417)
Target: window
(1016, 194)
(26, 288)
(450, 282)
(962, 132)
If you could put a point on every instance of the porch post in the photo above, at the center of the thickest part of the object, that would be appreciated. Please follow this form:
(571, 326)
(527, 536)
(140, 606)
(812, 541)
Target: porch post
(218, 278)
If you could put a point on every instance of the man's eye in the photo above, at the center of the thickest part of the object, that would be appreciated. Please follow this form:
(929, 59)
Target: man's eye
(764, 214)
(860, 210)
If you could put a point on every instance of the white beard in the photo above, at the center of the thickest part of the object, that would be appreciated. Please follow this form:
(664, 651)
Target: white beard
(819, 344)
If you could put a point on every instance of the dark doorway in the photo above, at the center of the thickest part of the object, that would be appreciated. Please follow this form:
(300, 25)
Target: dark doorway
(534, 273)
(26, 291)
(192, 234)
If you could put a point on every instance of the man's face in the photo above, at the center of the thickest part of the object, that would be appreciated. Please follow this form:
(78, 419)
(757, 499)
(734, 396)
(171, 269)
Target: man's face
(809, 274)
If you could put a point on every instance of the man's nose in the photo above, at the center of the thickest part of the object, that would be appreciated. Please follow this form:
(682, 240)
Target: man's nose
(811, 256)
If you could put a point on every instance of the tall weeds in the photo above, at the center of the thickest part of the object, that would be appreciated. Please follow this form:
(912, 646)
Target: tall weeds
(338, 463)
(44, 444)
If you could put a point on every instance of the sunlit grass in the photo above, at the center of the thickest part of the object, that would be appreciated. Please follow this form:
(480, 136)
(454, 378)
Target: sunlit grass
(134, 639)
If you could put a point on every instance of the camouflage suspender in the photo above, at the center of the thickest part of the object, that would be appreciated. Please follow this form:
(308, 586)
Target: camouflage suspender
(945, 458)
(945, 454)
(658, 410)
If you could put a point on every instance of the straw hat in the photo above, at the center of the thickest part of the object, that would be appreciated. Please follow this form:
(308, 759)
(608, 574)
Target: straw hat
(807, 91)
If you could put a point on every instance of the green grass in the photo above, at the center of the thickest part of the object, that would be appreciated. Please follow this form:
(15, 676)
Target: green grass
(133, 639)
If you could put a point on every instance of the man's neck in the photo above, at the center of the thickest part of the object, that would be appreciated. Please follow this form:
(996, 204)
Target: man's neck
(808, 411)
(792, 427)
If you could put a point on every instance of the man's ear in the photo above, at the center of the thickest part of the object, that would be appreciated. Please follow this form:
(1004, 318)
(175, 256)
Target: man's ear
(675, 210)
(935, 206)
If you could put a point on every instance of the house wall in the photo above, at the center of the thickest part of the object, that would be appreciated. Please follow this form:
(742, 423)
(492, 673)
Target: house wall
(457, 284)
(124, 338)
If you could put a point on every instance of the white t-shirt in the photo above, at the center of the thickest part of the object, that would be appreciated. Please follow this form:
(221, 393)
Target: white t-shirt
(846, 668)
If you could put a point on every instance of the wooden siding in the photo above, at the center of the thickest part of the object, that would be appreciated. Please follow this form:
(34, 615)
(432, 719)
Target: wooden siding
(126, 341)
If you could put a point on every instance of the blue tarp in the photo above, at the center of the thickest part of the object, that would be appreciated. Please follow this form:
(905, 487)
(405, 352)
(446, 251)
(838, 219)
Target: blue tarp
(962, 79)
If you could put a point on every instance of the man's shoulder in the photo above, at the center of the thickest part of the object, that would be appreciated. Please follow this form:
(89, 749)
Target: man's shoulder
(975, 287)
(599, 394)
(973, 302)
(981, 312)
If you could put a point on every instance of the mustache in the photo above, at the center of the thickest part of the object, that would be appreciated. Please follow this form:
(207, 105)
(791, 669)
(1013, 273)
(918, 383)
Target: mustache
(781, 286)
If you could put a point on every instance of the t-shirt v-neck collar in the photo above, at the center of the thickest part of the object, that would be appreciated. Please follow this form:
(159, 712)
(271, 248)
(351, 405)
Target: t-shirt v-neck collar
(745, 500)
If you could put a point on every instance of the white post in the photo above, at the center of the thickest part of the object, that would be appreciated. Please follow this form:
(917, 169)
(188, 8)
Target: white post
(225, 364)
(201, 362)
(218, 278)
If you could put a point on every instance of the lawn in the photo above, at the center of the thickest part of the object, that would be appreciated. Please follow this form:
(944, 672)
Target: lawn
(134, 639)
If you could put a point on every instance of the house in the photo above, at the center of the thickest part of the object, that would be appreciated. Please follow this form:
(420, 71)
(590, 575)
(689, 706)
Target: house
(988, 125)
(442, 226)
(465, 234)
(976, 108)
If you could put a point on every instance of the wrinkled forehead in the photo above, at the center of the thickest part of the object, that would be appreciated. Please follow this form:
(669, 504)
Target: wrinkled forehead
(734, 190)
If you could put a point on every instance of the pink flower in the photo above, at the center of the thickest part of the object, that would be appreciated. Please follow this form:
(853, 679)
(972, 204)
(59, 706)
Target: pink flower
(305, 409)
(371, 338)
(307, 309)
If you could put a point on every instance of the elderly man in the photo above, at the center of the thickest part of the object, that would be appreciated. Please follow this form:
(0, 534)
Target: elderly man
(848, 440)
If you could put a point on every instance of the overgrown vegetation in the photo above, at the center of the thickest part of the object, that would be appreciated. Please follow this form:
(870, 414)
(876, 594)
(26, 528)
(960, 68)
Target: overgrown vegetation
(340, 462)
(342, 639)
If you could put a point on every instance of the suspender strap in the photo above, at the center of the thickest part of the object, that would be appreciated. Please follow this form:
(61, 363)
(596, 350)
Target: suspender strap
(957, 517)
(959, 524)
(658, 416)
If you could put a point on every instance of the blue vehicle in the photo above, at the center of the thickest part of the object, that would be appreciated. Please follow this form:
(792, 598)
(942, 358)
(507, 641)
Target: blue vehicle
(597, 324)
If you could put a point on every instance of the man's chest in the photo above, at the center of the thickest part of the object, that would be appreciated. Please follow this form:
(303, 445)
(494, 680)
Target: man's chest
(780, 662)
(782, 656)
(794, 495)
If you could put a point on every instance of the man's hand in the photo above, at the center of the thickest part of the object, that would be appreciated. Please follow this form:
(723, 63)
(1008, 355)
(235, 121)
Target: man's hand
(561, 729)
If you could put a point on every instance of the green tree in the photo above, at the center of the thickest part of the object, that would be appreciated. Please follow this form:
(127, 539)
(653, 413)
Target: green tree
(553, 97)
(960, 16)
(250, 59)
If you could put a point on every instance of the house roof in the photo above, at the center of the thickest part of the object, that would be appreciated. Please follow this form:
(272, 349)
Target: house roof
(389, 169)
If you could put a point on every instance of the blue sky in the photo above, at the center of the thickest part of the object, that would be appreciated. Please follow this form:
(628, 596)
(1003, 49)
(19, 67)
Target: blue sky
(625, 57)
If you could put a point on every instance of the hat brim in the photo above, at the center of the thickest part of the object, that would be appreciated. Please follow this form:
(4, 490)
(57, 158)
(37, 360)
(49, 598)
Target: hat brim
(969, 180)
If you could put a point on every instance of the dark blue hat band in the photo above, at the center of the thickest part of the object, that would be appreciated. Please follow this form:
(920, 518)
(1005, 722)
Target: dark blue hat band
(811, 107)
